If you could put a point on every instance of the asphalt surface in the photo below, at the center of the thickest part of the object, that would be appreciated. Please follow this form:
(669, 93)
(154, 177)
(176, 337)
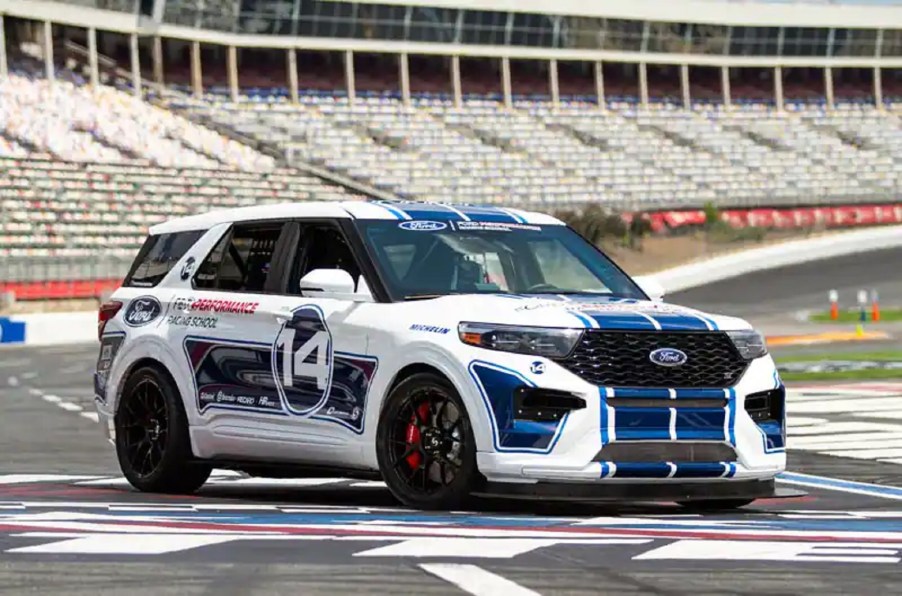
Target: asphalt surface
(69, 524)
(802, 287)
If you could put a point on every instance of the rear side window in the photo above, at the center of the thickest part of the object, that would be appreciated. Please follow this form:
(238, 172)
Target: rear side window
(157, 257)
(241, 261)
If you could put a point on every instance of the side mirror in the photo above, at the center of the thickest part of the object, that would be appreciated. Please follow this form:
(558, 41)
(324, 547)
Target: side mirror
(651, 287)
(332, 283)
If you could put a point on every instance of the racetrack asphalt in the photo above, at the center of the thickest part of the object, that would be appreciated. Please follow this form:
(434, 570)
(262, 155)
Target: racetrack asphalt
(69, 524)
(802, 287)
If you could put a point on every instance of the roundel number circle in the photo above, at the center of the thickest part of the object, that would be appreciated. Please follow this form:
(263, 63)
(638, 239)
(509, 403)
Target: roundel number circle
(302, 361)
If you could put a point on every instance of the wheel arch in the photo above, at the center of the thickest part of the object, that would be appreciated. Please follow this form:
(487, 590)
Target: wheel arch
(456, 376)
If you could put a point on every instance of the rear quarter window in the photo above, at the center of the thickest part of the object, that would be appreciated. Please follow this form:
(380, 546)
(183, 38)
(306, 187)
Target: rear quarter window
(157, 257)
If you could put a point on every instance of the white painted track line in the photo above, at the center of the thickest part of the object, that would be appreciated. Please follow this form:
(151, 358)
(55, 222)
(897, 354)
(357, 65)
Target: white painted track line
(476, 580)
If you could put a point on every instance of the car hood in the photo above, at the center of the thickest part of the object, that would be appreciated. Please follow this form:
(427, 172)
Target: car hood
(570, 311)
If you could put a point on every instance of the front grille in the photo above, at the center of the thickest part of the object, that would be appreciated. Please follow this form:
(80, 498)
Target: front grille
(654, 451)
(621, 359)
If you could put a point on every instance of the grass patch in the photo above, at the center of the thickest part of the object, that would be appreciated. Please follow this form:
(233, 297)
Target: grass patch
(889, 315)
(842, 375)
(845, 375)
(879, 356)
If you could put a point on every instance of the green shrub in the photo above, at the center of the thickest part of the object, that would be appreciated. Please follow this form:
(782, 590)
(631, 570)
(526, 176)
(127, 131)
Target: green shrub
(595, 223)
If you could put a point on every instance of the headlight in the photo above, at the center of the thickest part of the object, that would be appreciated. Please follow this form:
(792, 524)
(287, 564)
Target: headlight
(538, 341)
(750, 344)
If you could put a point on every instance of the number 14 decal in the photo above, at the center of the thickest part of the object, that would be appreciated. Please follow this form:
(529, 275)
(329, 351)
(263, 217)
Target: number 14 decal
(294, 361)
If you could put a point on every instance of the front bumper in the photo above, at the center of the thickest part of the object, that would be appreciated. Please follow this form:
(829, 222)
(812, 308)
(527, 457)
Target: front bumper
(701, 438)
(667, 492)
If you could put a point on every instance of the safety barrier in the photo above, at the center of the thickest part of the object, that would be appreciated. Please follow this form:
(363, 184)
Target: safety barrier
(789, 218)
(57, 328)
(775, 256)
(49, 328)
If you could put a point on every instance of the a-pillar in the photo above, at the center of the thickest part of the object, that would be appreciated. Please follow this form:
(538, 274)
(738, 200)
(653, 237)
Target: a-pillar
(455, 81)
(404, 75)
(828, 88)
(554, 83)
(506, 82)
(232, 68)
(684, 86)
(643, 84)
(878, 88)
(197, 75)
(135, 64)
(778, 87)
(292, 57)
(158, 76)
(4, 68)
(725, 86)
(49, 71)
(92, 57)
(599, 85)
(349, 77)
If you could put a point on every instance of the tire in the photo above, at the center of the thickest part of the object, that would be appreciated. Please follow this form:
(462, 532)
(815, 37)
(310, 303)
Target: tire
(715, 504)
(152, 441)
(427, 453)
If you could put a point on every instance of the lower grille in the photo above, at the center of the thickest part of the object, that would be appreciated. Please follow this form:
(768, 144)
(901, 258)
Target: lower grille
(622, 359)
(650, 452)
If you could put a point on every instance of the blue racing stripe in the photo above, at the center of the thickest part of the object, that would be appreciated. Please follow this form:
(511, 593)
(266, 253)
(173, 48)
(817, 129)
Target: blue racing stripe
(701, 469)
(672, 322)
(731, 428)
(487, 214)
(432, 212)
(603, 423)
(586, 321)
(699, 424)
(517, 218)
(394, 211)
(622, 321)
(642, 424)
(642, 470)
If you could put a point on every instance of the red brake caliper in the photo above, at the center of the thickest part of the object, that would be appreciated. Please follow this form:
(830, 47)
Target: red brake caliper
(413, 434)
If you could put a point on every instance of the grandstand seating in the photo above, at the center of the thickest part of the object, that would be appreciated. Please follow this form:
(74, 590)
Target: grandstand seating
(625, 156)
(84, 172)
(72, 157)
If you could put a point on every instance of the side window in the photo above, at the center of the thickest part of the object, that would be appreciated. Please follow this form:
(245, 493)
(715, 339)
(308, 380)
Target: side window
(241, 261)
(322, 246)
(157, 257)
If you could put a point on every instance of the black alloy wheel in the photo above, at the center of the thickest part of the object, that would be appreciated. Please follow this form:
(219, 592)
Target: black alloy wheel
(145, 427)
(152, 441)
(425, 445)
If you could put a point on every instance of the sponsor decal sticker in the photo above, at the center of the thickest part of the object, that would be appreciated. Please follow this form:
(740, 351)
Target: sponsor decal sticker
(430, 329)
(191, 321)
(142, 311)
(186, 304)
(187, 268)
(423, 226)
(537, 367)
(466, 226)
(213, 395)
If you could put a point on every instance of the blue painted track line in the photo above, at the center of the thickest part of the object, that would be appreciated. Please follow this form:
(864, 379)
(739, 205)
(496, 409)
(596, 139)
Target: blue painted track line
(847, 486)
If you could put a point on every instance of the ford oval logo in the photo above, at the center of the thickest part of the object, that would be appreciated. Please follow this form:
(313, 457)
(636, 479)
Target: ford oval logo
(668, 357)
(142, 311)
(423, 226)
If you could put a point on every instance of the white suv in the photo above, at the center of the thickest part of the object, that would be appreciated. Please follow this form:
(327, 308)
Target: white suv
(448, 350)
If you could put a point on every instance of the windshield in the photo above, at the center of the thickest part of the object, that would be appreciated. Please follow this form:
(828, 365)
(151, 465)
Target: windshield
(421, 259)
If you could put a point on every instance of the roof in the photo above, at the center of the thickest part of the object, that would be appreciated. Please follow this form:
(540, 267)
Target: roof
(367, 210)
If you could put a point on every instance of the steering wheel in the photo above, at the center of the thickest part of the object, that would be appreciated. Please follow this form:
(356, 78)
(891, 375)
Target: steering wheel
(542, 288)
